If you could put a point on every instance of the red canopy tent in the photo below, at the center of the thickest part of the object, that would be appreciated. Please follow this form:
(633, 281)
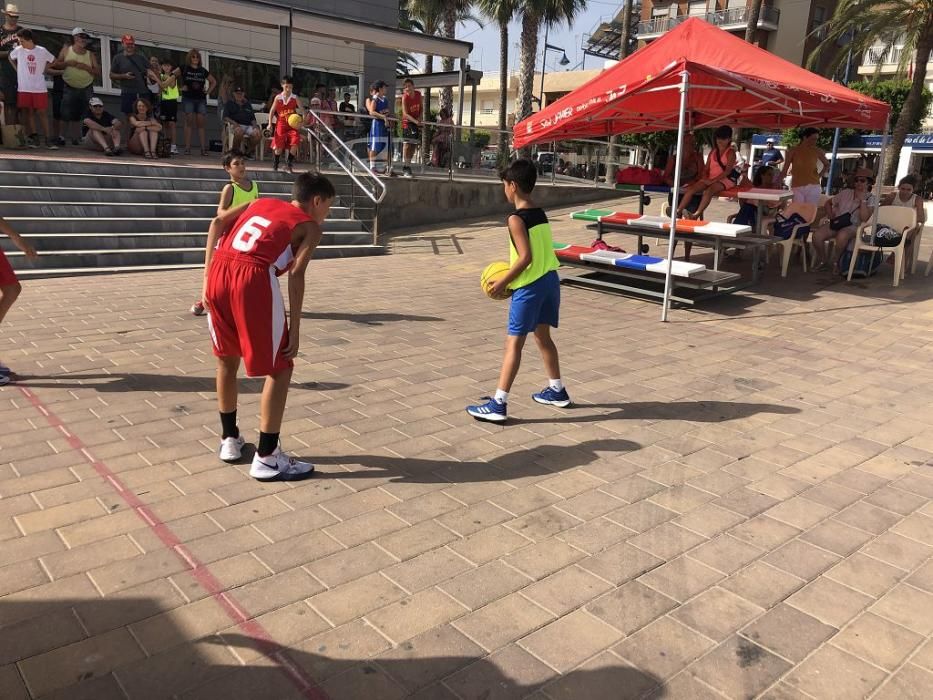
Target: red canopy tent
(730, 82)
(699, 76)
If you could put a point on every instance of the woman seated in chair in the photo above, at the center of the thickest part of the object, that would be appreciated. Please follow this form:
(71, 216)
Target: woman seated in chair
(691, 168)
(719, 174)
(908, 198)
(846, 211)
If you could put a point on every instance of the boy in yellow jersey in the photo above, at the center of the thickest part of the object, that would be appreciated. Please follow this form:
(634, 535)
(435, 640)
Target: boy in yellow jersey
(239, 192)
(535, 304)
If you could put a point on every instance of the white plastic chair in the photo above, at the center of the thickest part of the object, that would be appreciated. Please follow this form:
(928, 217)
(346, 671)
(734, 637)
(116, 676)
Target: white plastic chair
(900, 219)
(808, 213)
(262, 120)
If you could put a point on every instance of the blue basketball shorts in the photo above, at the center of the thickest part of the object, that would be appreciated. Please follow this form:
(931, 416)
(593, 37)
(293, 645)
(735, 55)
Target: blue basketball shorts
(534, 304)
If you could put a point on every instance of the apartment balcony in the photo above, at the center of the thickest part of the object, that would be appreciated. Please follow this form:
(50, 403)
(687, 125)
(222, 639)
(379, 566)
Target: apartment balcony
(730, 20)
(886, 61)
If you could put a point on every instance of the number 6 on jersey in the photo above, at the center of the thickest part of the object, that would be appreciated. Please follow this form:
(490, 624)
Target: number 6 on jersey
(247, 235)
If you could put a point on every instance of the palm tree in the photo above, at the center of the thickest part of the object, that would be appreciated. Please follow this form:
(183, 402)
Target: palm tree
(453, 13)
(410, 23)
(501, 12)
(428, 14)
(869, 22)
(625, 47)
(534, 13)
(751, 25)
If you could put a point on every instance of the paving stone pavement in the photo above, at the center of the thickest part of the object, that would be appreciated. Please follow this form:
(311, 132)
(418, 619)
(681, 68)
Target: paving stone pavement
(740, 504)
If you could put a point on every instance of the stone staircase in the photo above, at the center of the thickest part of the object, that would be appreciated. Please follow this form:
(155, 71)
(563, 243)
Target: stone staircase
(92, 216)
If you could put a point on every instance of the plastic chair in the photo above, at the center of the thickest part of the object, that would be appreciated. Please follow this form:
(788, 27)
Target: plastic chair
(898, 218)
(808, 213)
(263, 121)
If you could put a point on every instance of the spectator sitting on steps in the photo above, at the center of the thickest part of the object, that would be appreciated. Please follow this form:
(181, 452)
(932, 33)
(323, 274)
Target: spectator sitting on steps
(146, 130)
(101, 130)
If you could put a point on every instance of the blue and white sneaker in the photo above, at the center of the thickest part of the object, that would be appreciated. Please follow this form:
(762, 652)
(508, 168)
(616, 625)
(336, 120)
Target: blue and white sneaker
(491, 411)
(551, 397)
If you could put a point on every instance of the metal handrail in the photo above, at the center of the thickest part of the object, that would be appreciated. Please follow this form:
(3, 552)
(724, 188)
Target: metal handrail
(377, 193)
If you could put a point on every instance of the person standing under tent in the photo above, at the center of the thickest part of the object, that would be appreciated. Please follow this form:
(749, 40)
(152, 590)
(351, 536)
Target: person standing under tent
(801, 162)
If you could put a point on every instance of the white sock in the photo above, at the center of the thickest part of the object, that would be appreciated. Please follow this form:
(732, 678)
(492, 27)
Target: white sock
(555, 384)
(501, 396)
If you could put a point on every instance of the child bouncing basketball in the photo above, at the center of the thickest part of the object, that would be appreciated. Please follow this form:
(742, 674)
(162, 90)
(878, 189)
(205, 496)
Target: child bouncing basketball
(535, 303)
(9, 284)
(246, 312)
(286, 137)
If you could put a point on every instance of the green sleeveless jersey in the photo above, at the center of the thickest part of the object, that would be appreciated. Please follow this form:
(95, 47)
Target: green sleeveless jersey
(543, 259)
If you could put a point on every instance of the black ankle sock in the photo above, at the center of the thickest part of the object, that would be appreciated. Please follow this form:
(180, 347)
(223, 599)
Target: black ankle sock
(267, 443)
(275, 160)
(228, 424)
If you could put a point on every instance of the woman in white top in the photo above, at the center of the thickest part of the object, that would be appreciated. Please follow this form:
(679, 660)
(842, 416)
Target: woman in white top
(907, 197)
(859, 204)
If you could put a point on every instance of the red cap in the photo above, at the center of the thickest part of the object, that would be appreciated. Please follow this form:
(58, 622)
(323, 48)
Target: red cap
(127, 39)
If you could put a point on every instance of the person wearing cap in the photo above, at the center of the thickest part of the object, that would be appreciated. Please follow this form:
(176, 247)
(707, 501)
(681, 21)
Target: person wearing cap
(9, 40)
(128, 70)
(771, 156)
(238, 113)
(101, 129)
(846, 212)
(802, 161)
(80, 67)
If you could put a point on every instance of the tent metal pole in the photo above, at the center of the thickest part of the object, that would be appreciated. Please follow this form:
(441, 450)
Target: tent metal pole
(666, 301)
(832, 161)
(880, 182)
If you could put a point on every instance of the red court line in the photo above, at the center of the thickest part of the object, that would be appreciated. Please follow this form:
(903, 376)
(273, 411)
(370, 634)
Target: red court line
(249, 626)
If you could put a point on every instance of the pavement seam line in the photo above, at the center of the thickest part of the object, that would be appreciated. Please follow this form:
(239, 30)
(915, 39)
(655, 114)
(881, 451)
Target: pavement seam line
(201, 573)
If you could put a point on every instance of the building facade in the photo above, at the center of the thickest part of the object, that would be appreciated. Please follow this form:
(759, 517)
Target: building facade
(786, 28)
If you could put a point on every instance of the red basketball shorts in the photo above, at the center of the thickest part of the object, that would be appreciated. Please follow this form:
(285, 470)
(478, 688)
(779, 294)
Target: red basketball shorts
(246, 314)
(7, 276)
(285, 138)
(32, 100)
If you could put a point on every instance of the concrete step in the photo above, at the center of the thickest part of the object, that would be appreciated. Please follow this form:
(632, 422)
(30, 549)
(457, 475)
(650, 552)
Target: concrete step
(136, 168)
(93, 195)
(104, 226)
(13, 178)
(163, 210)
(62, 242)
(110, 262)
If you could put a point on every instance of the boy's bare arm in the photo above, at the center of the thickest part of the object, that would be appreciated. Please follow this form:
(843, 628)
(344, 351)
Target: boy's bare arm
(17, 239)
(226, 197)
(520, 240)
(296, 284)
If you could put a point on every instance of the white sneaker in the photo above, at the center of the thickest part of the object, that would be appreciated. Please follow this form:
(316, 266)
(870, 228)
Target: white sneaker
(174, 150)
(231, 449)
(279, 467)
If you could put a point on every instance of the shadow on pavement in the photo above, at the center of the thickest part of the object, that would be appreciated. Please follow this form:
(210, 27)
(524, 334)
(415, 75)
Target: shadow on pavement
(542, 459)
(697, 411)
(166, 383)
(107, 648)
(366, 319)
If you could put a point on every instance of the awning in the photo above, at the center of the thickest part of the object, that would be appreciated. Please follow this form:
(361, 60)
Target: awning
(317, 24)
(730, 82)
(423, 81)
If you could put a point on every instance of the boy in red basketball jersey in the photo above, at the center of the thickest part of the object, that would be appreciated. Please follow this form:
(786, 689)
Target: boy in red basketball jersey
(255, 244)
(285, 138)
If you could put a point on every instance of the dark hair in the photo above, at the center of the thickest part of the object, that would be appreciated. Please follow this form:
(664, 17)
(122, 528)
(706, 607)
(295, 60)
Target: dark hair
(309, 185)
(287, 79)
(379, 84)
(759, 178)
(25, 34)
(229, 158)
(723, 132)
(909, 180)
(407, 81)
(521, 172)
(808, 132)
